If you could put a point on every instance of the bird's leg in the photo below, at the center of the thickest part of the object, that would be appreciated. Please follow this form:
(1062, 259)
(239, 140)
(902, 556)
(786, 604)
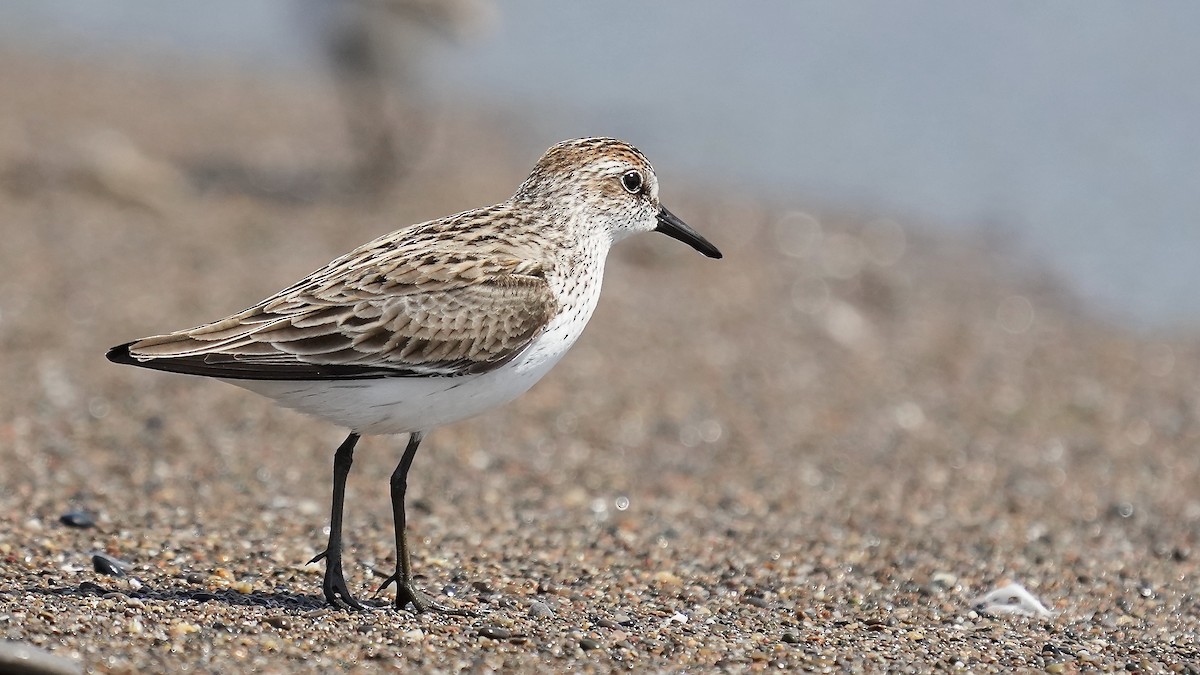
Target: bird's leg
(406, 590)
(334, 586)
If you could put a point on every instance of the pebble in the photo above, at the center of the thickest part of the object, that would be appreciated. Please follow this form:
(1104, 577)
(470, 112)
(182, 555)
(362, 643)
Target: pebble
(588, 644)
(181, 628)
(495, 633)
(90, 587)
(80, 519)
(540, 610)
(19, 658)
(106, 564)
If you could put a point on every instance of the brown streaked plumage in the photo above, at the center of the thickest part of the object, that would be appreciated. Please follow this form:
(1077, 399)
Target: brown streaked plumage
(435, 322)
(428, 300)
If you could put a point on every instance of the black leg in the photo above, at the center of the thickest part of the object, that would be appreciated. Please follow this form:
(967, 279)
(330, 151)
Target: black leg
(336, 591)
(406, 591)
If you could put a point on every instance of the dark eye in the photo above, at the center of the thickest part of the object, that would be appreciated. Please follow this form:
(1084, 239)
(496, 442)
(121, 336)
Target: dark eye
(632, 182)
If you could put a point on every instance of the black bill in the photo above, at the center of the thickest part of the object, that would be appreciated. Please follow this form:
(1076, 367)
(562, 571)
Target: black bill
(670, 225)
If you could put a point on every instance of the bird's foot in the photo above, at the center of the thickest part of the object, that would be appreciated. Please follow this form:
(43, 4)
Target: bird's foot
(337, 593)
(408, 593)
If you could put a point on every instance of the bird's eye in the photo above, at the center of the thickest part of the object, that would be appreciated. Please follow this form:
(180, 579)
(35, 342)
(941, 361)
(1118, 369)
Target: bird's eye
(632, 182)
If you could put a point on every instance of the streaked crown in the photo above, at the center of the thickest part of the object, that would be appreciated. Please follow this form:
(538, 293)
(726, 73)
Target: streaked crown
(604, 181)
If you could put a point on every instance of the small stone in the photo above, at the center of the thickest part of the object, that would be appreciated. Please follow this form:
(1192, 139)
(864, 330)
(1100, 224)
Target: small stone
(667, 578)
(495, 633)
(181, 628)
(607, 623)
(243, 587)
(106, 564)
(540, 610)
(1055, 668)
(588, 644)
(19, 657)
(89, 587)
(80, 519)
(790, 638)
(279, 622)
(944, 579)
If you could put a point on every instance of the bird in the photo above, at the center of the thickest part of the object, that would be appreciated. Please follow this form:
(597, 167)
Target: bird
(433, 323)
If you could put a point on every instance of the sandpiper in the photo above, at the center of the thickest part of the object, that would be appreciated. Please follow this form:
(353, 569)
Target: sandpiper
(435, 322)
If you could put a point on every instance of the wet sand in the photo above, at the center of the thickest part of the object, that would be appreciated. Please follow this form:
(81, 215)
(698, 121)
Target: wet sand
(815, 453)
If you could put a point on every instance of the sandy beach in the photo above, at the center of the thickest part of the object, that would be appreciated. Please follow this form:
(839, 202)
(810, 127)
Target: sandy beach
(815, 454)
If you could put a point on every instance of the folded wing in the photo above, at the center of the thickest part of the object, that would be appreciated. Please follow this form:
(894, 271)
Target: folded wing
(362, 317)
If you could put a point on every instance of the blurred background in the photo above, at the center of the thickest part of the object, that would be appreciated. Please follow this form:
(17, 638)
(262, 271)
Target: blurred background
(952, 342)
(1070, 135)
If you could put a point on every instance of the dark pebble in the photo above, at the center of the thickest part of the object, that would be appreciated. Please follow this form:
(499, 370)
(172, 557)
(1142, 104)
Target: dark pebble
(588, 644)
(79, 519)
(89, 587)
(607, 623)
(495, 633)
(790, 638)
(106, 564)
(202, 596)
(22, 658)
(279, 622)
(482, 588)
(195, 578)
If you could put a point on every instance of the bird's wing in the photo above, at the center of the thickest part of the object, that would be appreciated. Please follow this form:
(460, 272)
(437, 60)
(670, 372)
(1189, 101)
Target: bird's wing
(372, 313)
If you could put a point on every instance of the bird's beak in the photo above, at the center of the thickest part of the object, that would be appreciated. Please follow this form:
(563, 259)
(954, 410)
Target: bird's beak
(670, 225)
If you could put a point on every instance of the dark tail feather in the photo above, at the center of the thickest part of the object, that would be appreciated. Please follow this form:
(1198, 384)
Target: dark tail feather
(120, 354)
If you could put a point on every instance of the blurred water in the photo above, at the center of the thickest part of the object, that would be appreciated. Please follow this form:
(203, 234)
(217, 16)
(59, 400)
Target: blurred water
(1071, 125)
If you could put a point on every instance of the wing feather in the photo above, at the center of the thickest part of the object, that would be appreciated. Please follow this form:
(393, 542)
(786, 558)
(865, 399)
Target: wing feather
(378, 312)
